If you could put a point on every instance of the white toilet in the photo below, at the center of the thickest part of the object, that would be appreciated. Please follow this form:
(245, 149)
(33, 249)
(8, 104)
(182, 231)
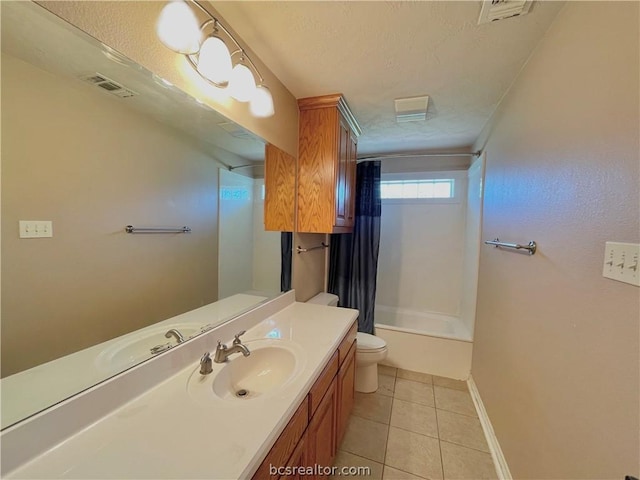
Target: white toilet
(369, 351)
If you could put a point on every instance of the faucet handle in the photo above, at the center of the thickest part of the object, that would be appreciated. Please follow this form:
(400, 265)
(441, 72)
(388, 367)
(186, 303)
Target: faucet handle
(206, 365)
(236, 337)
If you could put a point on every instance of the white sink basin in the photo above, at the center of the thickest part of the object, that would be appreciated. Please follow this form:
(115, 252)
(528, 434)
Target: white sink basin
(136, 347)
(270, 367)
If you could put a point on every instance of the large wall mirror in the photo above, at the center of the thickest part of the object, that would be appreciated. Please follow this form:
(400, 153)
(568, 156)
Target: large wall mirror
(92, 143)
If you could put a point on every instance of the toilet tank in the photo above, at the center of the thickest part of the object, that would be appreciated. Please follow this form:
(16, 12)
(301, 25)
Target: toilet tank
(324, 298)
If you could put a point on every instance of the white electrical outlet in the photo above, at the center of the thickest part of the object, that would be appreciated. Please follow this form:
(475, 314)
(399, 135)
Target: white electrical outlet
(622, 262)
(36, 228)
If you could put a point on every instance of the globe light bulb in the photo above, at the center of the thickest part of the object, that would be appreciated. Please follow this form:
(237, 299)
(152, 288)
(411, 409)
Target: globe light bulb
(178, 28)
(214, 61)
(242, 85)
(262, 102)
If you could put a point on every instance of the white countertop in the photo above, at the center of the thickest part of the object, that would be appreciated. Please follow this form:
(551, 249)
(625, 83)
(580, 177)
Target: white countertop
(35, 389)
(166, 433)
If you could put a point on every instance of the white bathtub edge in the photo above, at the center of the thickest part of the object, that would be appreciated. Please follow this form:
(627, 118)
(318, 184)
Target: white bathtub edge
(499, 462)
(427, 354)
(413, 331)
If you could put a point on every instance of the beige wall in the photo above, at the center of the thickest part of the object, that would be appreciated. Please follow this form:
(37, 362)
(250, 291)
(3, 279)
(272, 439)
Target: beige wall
(78, 157)
(129, 27)
(556, 353)
(310, 268)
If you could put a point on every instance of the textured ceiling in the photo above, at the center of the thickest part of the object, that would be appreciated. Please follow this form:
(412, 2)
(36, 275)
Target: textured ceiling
(374, 52)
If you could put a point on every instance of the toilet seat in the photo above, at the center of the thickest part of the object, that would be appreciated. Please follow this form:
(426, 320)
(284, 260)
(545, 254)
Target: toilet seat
(369, 343)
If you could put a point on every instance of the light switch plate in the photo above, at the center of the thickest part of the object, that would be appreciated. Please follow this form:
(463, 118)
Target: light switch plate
(621, 262)
(36, 228)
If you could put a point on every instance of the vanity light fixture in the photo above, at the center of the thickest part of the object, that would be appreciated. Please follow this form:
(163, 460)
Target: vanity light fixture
(179, 29)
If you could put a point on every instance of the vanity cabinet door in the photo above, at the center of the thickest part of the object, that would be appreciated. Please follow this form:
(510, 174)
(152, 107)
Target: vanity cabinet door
(321, 433)
(298, 460)
(346, 392)
(286, 446)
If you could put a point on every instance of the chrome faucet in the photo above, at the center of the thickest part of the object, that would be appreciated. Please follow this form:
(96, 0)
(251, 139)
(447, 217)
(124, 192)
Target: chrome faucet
(206, 367)
(175, 334)
(222, 351)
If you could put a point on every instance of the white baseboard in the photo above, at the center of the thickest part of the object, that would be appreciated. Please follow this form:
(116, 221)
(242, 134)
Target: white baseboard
(500, 463)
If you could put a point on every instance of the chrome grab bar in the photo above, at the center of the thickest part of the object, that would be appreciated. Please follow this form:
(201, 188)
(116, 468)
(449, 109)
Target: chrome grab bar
(531, 246)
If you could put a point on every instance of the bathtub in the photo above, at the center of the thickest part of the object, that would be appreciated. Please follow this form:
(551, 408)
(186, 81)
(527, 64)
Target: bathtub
(425, 342)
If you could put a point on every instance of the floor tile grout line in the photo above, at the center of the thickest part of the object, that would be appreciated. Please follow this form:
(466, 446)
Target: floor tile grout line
(386, 443)
(410, 473)
(440, 445)
(372, 420)
(457, 413)
(411, 431)
(360, 456)
(465, 446)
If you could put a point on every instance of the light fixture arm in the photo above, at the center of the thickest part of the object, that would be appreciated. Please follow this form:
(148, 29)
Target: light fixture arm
(187, 28)
(217, 24)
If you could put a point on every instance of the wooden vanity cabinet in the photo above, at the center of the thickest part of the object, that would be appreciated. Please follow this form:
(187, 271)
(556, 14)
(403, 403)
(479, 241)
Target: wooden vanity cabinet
(326, 165)
(298, 459)
(321, 434)
(287, 444)
(346, 392)
(314, 432)
(279, 190)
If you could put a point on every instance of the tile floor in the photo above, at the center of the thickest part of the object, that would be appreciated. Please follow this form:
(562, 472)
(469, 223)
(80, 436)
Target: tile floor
(416, 426)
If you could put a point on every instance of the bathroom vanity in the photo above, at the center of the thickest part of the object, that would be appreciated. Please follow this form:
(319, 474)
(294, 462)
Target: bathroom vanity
(163, 419)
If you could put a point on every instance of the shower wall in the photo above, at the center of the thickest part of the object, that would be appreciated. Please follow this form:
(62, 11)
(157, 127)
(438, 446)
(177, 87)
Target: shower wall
(249, 256)
(472, 242)
(420, 265)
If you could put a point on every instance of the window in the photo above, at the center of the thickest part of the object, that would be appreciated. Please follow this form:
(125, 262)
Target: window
(417, 189)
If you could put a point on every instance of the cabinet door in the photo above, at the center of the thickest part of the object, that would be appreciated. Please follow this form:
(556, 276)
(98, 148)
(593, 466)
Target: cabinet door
(298, 461)
(350, 187)
(280, 190)
(317, 161)
(321, 433)
(286, 446)
(342, 176)
(346, 392)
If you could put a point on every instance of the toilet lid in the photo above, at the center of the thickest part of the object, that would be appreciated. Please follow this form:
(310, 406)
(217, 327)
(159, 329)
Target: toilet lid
(369, 342)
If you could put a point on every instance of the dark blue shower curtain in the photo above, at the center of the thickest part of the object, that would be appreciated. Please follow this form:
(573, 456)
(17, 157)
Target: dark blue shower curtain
(353, 257)
(286, 248)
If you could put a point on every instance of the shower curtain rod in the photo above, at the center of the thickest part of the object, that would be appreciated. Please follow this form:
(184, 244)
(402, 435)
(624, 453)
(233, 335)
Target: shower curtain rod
(409, 155)
(231, 169)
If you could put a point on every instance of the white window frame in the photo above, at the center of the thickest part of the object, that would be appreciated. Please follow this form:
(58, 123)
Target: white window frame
(457, 176)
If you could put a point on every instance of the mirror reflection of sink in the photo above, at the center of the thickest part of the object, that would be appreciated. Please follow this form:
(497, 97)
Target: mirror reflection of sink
(143, 344)
(271, 366)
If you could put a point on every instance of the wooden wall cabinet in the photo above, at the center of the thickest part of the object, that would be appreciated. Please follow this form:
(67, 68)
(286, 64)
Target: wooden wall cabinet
(314, 432)
(326, 165)
(279, 190)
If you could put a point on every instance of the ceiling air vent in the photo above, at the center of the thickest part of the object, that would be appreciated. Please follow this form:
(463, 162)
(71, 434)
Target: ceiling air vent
(109, 85)
(493, 10)
(412, 109)
(235, 130)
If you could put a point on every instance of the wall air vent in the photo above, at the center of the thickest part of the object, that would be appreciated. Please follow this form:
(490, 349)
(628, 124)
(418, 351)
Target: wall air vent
(109, 85)
(412, 109)
(493, 10)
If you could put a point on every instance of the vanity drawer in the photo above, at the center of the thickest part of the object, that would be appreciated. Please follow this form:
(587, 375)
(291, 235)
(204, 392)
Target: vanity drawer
(279, 455)
(322, 384)
(348, 340)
